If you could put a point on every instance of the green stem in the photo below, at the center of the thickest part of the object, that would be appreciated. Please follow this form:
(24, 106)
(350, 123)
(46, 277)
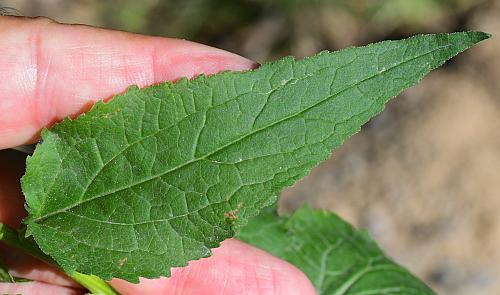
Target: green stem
(94, 284)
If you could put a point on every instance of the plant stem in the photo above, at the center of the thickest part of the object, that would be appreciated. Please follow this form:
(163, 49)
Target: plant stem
(93, 283)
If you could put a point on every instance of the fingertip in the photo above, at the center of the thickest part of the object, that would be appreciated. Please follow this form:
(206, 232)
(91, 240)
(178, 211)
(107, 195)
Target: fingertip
(234, 268)
(263, 273)
(176, 58)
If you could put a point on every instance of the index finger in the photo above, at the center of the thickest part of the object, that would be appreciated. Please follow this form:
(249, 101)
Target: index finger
(49, 71)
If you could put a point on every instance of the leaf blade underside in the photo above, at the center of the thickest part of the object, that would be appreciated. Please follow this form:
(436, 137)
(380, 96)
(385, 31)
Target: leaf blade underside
(337, 258)
(157, 177)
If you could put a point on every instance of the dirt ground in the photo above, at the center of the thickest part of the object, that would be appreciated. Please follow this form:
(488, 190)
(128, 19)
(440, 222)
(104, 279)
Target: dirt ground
(424, 176)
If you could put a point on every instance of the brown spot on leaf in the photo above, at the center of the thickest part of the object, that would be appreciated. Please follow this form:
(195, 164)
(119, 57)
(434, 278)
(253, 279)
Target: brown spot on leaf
(122, 261)
(232, 215)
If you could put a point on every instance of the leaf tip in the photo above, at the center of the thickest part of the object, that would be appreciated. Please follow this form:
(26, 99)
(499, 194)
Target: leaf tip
(477, 36)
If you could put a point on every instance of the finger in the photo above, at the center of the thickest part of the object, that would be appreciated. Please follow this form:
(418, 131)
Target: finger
(234, 268)
(22, 265)
(49, 70)
(36, 288)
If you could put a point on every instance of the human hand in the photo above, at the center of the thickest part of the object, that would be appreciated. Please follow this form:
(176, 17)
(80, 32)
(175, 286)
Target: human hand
(49, 71)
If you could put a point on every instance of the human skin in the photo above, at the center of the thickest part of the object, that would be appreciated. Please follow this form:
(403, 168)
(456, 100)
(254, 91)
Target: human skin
(49, 71)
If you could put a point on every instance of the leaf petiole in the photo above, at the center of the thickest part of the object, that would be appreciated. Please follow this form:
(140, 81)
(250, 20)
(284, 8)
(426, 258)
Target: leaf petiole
(94, 284)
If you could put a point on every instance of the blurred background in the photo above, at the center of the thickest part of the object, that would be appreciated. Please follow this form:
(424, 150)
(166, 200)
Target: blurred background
(424, 176)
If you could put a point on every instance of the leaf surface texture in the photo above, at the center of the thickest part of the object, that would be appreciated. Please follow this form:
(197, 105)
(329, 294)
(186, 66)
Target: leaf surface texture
(158, 176)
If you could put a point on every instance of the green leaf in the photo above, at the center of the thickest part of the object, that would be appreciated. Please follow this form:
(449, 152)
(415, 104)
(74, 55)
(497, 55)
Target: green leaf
(337, 258)
(159, 176)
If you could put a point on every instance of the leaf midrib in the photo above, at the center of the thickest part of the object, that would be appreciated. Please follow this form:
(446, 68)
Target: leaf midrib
(355, 277)
(41, 218)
